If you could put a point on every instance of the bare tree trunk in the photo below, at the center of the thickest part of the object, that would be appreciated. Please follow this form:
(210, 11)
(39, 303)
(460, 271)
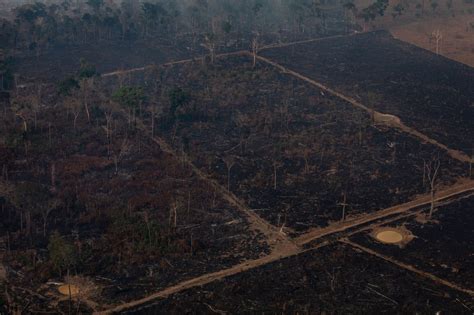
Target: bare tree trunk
(432, 202)
(432, 172)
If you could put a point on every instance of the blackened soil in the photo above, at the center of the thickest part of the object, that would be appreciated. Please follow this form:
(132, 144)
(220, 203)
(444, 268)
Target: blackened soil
(318, 146)
(334, 279)
(428, 92)
(443, 246)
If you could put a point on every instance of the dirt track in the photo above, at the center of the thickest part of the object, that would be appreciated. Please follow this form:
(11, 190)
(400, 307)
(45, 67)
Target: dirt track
(452, 191)
(282, 246)
(390, 120)
(410, 268)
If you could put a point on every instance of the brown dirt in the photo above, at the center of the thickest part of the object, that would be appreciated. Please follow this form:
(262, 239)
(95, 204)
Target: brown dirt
(69, 289)
(458, 37)
(286, 251)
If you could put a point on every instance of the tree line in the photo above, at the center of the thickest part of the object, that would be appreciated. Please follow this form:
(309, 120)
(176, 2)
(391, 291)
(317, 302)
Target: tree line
(37, 24)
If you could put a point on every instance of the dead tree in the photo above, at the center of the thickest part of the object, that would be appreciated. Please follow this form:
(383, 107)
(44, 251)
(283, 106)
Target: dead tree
(46, 211)
(437, 36)
(85, 87)
(432, 172)
(276, 165)
(23, 109)
(255, 49)
(344, 204)
(173, 217)
(306, 157)
(73, 105)
(121, 153)
(229, 163)
(210, 45)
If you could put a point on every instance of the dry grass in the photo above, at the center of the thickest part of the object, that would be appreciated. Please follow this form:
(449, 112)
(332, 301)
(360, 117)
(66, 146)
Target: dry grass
(458, 36)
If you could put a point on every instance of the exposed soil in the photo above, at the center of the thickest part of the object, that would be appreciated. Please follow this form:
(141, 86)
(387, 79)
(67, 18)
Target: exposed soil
(457, 43)
(69, 290)
(389, 237)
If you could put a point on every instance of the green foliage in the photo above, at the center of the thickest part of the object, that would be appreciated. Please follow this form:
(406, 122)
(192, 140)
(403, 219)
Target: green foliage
(372, 11)
(145, 235)
(86, 70)
(31, 12)
(66, 86)
(129, 97)
(61, 253)
(398, 10)
(227, 27)
(95, 4)
(177, 98)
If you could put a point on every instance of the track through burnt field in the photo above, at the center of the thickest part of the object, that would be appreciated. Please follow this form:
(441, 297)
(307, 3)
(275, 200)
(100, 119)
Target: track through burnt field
(427, 92)
(286, 247)
(317, 279)
(410, 268)
(380, 118)
(283, 246)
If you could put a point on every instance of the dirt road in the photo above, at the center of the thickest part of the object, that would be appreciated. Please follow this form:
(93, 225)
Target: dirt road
(466, 187)
(459, 189)
(410, 268)
(386, 119)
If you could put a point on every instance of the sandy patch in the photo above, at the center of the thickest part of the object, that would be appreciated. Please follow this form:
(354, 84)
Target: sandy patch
(67, 289)
(399, 236)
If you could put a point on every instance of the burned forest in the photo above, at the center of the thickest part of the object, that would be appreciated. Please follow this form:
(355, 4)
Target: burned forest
(236, 157)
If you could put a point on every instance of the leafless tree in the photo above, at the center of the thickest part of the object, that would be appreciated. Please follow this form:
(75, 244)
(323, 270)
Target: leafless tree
(432, 172)
(306, 156)
(86, 86)
(121, 153)
(437, 36)
(344, 204)
(22, 106)
(46, 211)
(277, 164)
(210, 45)
(74, 106)
(173, 217)
(255, 48)
(229, 163)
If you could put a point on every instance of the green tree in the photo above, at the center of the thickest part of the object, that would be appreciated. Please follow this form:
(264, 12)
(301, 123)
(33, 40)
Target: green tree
(177, 98)
(66, 86)
(86, 70)
(61, 253)
(131, 98)
(95, 4)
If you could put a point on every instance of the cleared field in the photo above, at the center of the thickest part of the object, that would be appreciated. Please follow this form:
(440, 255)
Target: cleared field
(442, 246)
(333, 279)
(427, 92)
(137, 218)
(298, 157)
(457, 32)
